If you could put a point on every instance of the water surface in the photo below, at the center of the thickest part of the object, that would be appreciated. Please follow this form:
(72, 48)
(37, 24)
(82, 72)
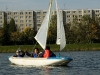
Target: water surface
(84, 63)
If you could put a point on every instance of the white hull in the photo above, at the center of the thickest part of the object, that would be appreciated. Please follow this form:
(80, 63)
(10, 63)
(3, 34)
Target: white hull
(26, 61)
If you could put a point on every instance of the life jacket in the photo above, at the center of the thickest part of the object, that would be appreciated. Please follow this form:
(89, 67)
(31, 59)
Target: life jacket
(35, 55)
(46, 54)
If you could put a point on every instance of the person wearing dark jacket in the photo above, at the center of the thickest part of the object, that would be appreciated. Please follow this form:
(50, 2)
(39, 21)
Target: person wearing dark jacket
(34, 54)
(19, 53)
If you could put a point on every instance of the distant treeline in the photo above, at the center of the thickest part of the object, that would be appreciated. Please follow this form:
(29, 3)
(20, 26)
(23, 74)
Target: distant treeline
(85, 31)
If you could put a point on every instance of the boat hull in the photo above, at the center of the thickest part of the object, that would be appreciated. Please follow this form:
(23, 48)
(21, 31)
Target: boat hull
(27, 61)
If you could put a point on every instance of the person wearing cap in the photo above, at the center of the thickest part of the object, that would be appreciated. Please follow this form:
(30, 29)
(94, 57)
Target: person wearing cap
(19, 53)
(35, 53)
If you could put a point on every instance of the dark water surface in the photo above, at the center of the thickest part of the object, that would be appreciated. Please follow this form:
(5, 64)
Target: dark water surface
(84, 63)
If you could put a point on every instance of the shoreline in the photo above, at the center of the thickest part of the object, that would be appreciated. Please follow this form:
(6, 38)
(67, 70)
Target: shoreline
(55, 48)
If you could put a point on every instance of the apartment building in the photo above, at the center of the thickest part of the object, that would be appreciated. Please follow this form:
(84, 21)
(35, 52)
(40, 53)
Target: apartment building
(71, 14)
(39, 16)
(34, 19)
(22, 19)
(2, 15)
(96, 12)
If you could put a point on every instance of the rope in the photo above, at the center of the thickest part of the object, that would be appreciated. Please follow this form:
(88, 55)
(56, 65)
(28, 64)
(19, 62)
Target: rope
(34, 46)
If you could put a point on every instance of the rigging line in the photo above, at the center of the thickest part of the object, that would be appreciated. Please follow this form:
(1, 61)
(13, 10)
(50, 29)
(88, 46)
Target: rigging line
(34, 46)
(19, 47)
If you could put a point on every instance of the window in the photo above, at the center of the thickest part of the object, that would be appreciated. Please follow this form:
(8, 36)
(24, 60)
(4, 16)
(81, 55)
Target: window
(0, 13)
(0, 21)
(30, 24)
(97, 10)
(89, 11)
(27, 21)
(74, 11)
(30, 12)
(79, 19)
(0, 17)
(16, 20)
(68, 11)
(9, 17)
(30, 20)
(38, 28)
(21, 21)
(15, 17)
(16, 25)
(21, 13)
(80, 11)
(38, 16)
(0, 25)
(44, 12)
(30, 16)
(15, 13)
(38, 12)
(80, 15)
(39, 24)
(21, 25)
(26, 16)
(21, 17)
(21, 29)
(9, 13)
(26, 24)
(69, 20)
(38, 20)
(84, 11)
(68, 16)
(43, 16)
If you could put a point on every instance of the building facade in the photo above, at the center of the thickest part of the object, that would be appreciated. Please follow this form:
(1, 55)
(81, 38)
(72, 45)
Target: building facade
(2, 16)
(33, 19)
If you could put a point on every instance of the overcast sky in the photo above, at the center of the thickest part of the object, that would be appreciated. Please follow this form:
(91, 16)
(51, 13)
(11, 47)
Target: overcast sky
(43, 4)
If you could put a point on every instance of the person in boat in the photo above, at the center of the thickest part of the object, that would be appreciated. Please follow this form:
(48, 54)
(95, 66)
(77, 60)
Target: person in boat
(19, 53)
(47, 53)
(35, 53)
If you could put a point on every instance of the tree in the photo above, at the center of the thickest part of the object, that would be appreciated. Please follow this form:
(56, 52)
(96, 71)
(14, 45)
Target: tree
(14, 37)
(6, 36)
(1, 36)
(28, 36)
(52, 33)
(12, 26)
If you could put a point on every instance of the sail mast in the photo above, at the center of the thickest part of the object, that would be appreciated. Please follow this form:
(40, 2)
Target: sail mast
(41, 36)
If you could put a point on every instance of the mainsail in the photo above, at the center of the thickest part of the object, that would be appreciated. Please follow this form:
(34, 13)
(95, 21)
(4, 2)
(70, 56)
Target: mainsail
(41, 36)
(60, 29)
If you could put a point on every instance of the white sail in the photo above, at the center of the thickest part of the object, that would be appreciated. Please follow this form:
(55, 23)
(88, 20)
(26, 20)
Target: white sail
(41, 36)
(60, 29)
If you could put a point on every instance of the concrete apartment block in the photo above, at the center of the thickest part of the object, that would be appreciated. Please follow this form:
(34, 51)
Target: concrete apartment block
(33, 19)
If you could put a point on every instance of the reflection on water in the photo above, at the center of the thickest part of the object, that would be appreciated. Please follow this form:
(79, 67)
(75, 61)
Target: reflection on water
(84, 63)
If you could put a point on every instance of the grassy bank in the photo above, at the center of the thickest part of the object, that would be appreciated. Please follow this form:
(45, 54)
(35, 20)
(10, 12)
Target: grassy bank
(69, 47)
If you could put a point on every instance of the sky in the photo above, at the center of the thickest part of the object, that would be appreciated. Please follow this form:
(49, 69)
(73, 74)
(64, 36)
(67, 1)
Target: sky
(43, 4)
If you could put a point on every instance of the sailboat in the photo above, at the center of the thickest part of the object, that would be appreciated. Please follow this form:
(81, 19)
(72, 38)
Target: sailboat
(41, 38)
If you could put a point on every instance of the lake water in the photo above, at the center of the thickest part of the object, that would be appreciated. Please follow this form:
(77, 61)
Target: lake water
(84, 63)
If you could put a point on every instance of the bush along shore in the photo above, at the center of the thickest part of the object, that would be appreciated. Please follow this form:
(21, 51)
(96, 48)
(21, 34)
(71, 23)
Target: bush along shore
(55, 48)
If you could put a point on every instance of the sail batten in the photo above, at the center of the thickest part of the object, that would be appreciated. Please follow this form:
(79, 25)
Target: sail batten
(41, 36)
